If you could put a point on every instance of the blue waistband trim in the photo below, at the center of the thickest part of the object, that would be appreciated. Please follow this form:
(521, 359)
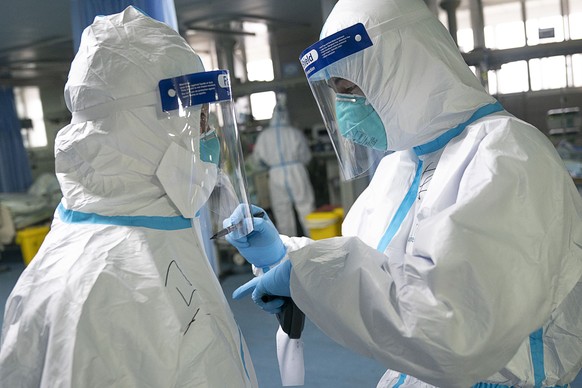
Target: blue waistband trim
(443, 139)
(284, 164)
(151, 222)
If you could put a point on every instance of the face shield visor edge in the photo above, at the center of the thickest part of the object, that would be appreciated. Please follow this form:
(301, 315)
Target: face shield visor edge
(201, 107)
(355, 129)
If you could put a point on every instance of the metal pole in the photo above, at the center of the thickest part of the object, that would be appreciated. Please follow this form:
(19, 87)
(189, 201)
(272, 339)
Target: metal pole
(451, 7)
(523, 19)
(478, 26)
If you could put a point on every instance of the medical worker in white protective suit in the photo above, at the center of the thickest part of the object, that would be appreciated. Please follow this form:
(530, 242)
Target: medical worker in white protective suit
(461, 263)
(121, 293)
(284, 149)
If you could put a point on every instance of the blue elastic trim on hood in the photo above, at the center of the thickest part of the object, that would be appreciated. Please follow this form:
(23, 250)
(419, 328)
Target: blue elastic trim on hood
(443, 139)
(151, 222)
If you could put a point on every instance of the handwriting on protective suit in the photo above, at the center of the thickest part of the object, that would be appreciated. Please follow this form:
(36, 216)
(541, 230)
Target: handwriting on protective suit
(177, 279)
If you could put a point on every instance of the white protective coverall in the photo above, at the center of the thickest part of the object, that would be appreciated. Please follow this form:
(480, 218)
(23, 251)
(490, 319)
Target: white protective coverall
(462, 260)
(121, 293)
(284, 149)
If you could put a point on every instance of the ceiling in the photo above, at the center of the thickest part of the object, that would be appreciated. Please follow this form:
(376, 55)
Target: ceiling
(36, 45)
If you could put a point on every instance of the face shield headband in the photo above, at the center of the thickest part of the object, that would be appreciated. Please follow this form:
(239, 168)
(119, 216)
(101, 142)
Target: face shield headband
(356, 131)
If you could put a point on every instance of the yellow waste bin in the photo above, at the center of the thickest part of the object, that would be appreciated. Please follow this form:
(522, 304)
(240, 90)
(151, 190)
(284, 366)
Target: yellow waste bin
(30, 240)
(340, 213)
(323, 225)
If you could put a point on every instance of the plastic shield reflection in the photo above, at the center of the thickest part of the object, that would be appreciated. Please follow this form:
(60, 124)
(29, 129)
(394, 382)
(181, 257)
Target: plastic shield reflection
(202, 105)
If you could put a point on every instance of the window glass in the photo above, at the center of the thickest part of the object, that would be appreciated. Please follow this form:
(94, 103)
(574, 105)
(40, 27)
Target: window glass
(577, 69)
(544, 22)
(258, 52)
(259, 67)
(548, 73)
(512, 77)
(262, 105)
(503, 25)
(575, 19)
(492, 81)
(29, 110)
(464, 31)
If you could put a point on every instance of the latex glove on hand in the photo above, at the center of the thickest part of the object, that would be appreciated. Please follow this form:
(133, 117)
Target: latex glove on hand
(269, 289)
(262, 247)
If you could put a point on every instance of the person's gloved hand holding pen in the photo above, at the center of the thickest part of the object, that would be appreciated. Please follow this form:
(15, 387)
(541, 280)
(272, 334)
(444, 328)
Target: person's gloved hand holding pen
(271, 291)
(262, 247)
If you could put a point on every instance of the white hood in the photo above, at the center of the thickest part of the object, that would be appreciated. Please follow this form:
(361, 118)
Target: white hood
(107, 165)
(413, 74)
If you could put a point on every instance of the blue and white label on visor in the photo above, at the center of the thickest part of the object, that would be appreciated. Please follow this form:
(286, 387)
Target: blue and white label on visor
(335, 47)
(194, 89)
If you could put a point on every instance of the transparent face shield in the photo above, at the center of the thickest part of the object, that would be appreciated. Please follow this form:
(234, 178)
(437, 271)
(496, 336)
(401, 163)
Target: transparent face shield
(201, 111)
(355, 129)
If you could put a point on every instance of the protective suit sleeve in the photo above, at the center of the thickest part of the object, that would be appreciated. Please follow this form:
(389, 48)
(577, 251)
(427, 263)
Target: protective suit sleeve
(450, 311)
(294, 243)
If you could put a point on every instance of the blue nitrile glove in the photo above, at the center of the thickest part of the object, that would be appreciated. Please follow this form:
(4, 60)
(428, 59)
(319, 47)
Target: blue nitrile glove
(274, 283)
(262, 247)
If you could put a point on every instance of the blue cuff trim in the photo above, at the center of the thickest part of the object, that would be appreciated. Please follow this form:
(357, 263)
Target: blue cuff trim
(151, 222)
(443, 139)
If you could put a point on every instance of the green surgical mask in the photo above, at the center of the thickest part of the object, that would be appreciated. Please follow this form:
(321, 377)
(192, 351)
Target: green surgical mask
(210, 148)
(359, 122)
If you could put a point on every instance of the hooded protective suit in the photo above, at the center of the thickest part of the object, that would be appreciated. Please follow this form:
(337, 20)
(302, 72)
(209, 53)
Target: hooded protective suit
(285, 150)
(462, 261)
(121, 293)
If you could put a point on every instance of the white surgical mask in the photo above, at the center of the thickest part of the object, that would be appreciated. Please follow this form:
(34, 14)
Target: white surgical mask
(187, 182)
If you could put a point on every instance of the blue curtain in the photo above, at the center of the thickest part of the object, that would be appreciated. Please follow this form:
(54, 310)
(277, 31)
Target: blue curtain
(15, 173)
(84, 11)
